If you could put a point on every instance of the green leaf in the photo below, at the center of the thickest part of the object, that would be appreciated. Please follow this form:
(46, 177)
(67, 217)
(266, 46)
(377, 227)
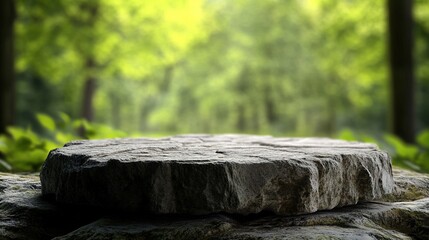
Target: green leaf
(402, 149)
(65, 118)
(46, 121)
(28, 160)
(63, 138)
(23, 144)
(423, 139)
(80, 123)
(347, 134)
(65, 122)
(369, 139)
(3, 146)
(4, 165)
(16, 133)
(423, 161)
(51, 146)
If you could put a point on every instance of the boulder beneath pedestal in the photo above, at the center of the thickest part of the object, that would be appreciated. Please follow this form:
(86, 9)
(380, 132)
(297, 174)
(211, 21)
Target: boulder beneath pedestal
(399, 220)
(202, 174)
(24, 214)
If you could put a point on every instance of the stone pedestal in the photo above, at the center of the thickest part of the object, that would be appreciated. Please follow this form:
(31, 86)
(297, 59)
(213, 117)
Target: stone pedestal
(215, 187)
(204, 174)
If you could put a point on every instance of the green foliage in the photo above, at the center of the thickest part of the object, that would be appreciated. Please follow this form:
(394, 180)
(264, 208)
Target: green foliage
(402, 149)
(423, 139)
(411, 156)
(25, 150)
(272, 67)
(269, 67)
(46, 121)
(276, 67)
(116, 35)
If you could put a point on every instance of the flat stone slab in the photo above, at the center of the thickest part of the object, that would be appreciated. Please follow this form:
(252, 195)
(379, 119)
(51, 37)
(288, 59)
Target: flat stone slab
(201, 174)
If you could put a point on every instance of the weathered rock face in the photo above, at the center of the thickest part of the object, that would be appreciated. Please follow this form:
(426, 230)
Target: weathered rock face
(25, 215)
(407, 219)
(408, 186)
(401, 220)
(202, 174)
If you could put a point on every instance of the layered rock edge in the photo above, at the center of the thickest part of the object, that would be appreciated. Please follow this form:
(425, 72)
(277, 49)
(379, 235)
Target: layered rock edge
(24, 214)
(203, 174)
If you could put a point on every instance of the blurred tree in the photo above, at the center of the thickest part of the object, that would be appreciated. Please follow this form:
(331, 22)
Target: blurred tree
(401, 42)
(104, 40)
(349, 41)
(7, 71)
(421, 25)
(298, 67)
(301, 67)
(89, 8)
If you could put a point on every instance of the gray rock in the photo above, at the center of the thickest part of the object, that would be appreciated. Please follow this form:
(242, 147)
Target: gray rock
(24, 214)
(371, 220)
(400, 220)
(162, 228)
(408, 186)
(202, 174)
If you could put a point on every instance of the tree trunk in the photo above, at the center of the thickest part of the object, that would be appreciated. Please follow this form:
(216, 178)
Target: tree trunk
(90, 85)
(89, 91)
(115, 102)
(168, 76)
(7, 71)
(401, 41)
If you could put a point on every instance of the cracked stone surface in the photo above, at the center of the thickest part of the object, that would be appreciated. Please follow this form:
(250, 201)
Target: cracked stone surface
(203, 174)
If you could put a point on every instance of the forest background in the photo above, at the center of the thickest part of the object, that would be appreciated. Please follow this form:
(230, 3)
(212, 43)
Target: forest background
(107, 68)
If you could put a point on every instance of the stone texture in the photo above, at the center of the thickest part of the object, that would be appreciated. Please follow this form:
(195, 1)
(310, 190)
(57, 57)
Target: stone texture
(371, 220)
(408, 186)
(406, 217)
(202, 174)
(25, 215)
